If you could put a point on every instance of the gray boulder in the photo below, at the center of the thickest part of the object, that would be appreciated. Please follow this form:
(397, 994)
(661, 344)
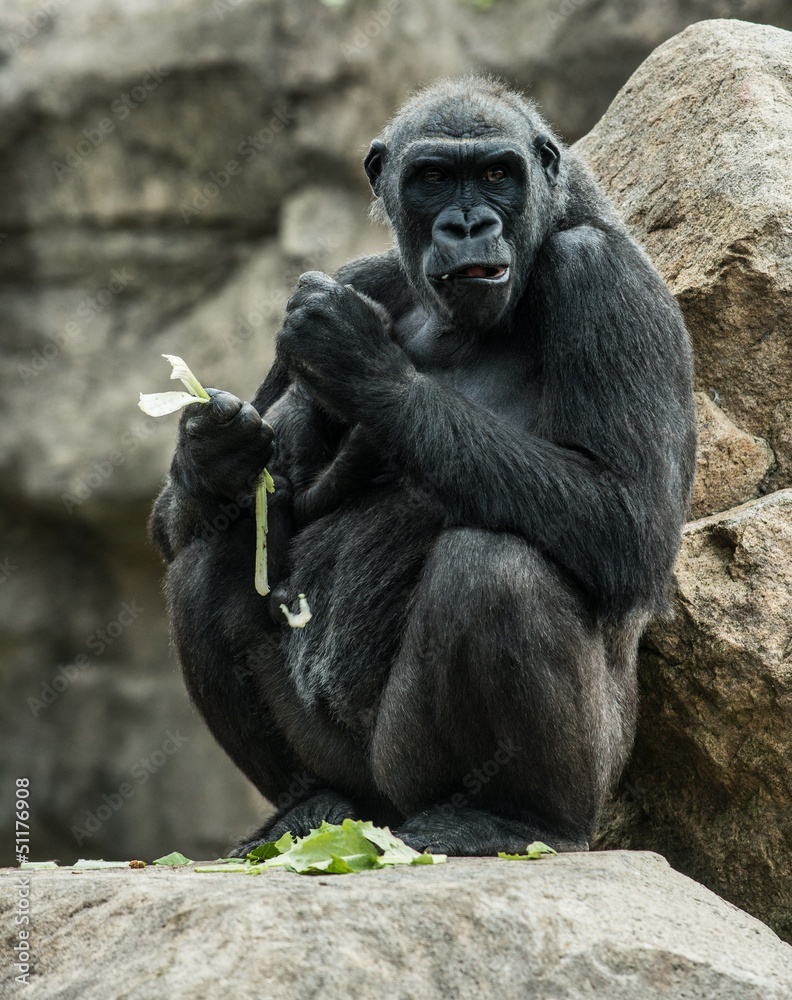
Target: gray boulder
(732, 466)
(703, 176)
(710, 782)
(694, 151)
(617, 926)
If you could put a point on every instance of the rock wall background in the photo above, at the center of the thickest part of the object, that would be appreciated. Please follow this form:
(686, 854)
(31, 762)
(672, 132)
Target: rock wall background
(166, 175)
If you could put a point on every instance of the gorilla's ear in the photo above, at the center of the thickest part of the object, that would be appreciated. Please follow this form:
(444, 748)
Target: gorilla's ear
(550, 156)
(374, 163)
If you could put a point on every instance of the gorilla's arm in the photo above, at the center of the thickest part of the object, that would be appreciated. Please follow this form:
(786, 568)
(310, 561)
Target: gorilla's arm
(221, 448)
(600, 493)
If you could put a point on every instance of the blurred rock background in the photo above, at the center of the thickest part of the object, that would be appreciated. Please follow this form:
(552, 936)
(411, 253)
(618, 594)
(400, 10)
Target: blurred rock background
(167, 171)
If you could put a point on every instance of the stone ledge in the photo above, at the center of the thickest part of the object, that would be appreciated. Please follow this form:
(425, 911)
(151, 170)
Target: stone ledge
(615, 925)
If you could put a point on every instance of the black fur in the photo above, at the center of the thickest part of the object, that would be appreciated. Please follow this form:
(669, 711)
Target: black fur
(484, 447)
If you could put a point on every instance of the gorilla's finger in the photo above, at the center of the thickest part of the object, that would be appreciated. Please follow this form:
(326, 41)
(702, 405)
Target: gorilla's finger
(224, 405)
(267, 433)
(309, 284)
(317, 281)
(248, 420)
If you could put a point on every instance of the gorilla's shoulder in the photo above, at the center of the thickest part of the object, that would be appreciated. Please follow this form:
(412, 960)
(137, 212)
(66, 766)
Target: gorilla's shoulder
(382, 278)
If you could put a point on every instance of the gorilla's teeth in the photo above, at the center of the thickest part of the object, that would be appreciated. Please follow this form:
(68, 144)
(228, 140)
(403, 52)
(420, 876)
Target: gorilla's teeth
(443, 277)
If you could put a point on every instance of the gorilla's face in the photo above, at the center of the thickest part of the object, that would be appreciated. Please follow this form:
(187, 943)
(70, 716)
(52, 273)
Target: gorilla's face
(460, 201)
(469, 207)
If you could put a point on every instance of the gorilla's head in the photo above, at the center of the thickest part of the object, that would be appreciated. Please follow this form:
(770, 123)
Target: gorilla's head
(471, 179)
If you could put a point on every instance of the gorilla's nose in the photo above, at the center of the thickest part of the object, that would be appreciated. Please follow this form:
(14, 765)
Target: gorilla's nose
(454, 224)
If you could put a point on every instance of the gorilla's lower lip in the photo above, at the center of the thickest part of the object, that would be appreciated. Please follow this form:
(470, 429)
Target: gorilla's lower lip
(493, 273)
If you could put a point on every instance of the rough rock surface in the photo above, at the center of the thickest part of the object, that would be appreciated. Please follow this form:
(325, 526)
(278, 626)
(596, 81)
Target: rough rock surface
(703, 175)
(579, 927)
(695, 152)
(731, 465)
(710, 783)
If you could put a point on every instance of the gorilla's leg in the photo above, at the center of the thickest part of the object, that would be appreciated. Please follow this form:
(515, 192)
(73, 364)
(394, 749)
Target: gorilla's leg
(218, 618)
(508, 712)
(234, 670)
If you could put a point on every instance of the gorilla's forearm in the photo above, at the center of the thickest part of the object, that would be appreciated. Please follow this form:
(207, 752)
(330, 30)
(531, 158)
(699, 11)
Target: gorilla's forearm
(601, 526)
(179, 517)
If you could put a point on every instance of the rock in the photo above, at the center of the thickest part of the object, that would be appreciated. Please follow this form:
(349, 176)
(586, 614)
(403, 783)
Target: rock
(731, 466)
(323, 226)
(615, 925)
(701, 174)
(710, 783)
(573, 55)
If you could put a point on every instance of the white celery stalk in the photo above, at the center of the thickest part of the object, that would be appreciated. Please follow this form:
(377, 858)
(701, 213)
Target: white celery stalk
(303, 616)
(159, 404)
(265, 485)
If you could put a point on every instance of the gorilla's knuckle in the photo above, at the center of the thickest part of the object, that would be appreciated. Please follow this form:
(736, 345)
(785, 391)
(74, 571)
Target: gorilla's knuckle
(196, 418)
(224, 406)
(315, 279)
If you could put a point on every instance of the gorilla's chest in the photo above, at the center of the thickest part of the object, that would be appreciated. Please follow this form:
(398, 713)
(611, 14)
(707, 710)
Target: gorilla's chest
(507, 393)
(497, 381)
(494, 375)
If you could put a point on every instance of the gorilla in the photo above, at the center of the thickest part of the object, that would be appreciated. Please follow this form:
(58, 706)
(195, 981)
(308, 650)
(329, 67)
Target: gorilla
(483, 445)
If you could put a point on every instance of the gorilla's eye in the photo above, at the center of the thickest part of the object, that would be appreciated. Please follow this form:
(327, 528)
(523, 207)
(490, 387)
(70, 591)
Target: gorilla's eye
(494, 175)
(433, 174)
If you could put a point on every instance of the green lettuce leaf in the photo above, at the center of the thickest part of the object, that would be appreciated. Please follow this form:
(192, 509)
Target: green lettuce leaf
(352, 846)
(532, 852)
(172, 860)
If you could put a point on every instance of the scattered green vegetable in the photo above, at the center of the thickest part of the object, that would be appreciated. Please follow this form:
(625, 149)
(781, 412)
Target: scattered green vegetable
(83, 865)
(172, 860)
(532, 852)
(352, 846)
(159, 404)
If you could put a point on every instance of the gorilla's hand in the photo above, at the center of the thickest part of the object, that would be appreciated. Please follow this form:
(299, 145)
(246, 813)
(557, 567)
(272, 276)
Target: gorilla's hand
(338, 342)
(222, 447)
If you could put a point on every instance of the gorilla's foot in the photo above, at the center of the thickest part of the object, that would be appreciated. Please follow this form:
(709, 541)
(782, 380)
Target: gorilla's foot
(466, 832)
(299, 820)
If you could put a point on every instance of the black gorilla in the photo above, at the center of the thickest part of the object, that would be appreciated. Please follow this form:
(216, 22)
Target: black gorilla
(483, 443)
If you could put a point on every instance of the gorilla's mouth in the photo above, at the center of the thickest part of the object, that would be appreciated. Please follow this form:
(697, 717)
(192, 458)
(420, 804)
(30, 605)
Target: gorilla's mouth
(477, 272)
